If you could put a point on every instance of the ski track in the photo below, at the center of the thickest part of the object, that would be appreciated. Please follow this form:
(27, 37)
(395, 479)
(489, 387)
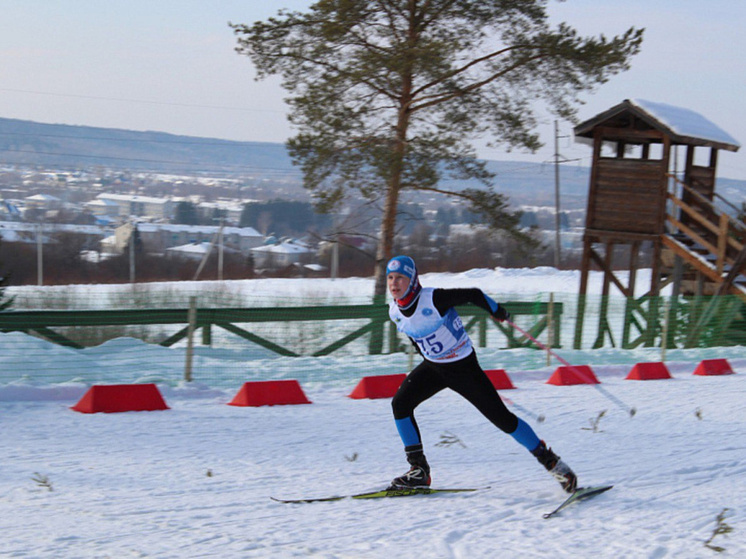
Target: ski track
(195, 481)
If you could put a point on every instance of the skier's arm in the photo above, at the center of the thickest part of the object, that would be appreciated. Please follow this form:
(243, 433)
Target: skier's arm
(444, 299)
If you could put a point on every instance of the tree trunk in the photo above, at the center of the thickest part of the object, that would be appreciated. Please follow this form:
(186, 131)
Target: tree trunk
(386, 238)
(399, 147)
(383, 253)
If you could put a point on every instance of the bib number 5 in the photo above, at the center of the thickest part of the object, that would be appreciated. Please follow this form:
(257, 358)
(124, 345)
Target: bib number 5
(431, 345)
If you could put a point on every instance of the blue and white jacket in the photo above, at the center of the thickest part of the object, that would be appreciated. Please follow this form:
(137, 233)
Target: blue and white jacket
(434, 325)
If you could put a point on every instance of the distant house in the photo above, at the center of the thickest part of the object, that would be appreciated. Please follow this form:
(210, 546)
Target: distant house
(24, 232)
(103, 207)
(195, 251)
(466, 230)
(231, 210)
(43, 202)
(281, 255)
(158, 237)
(140, 206)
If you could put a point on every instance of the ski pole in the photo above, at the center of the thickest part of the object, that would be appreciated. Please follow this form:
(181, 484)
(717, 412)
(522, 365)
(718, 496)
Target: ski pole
(537, 416)
(632, 411)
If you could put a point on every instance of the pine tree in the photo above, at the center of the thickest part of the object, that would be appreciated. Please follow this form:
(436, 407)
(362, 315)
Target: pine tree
(389, 96)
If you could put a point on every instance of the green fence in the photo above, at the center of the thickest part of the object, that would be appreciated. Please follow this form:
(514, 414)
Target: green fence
(157, 332)
(77, 329)
(674, 322)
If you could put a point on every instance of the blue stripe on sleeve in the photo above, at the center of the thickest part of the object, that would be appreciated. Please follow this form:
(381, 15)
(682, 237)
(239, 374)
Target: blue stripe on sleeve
(491, 302)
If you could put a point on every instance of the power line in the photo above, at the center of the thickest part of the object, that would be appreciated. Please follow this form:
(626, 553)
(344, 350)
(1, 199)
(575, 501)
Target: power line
(558, 158)
(196, 142)
(141, 101)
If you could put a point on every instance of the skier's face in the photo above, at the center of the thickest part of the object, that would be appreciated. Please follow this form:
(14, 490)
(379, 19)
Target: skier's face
(397, 284)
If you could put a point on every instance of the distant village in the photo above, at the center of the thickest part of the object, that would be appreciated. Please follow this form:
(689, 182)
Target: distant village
(189, 219)
(109, 220)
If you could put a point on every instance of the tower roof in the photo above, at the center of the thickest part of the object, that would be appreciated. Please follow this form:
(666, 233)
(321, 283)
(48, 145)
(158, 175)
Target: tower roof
(682, 126)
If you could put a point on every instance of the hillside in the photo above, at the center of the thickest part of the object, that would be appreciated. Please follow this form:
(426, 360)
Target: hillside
(50, 145)
(59, 146)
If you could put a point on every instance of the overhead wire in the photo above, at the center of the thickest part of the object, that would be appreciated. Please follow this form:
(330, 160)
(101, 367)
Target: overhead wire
(142, 101)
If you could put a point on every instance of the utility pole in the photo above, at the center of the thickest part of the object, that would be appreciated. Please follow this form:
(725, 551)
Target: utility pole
(216, 238)
(335, 258)
(558, 158)
(39, 254)
(556, 197)
(220, 250)
(133, 233)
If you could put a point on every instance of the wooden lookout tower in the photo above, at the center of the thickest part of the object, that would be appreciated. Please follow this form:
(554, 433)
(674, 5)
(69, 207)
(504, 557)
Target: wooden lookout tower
(638, 199)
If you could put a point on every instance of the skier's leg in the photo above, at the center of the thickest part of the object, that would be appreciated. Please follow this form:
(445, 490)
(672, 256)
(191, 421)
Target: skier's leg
(468, 379)
(419, 385)
(422, 383)
(473, 384)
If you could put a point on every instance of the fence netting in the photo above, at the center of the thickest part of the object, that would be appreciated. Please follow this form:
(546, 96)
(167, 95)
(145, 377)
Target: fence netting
(220, 334)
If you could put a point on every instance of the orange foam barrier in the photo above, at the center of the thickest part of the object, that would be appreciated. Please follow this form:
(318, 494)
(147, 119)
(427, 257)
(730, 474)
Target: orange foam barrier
(120, 398)
(269, 393)
(374, 387)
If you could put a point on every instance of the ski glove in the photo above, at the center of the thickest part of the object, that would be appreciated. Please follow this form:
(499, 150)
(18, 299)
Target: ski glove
(501, 313)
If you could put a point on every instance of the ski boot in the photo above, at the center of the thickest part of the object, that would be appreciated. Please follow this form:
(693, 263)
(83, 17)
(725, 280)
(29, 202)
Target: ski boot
(559, 470)
(419, 473)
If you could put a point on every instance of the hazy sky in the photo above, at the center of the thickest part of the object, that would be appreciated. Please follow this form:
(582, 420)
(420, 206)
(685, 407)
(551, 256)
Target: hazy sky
(169, 65)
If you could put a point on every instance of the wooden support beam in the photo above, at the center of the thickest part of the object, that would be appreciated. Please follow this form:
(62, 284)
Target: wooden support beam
(739, 263)
(609, 274)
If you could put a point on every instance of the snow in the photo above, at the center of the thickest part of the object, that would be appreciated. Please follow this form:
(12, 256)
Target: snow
(686, 122)
(195, 480)
(196, 229)
(196, 250)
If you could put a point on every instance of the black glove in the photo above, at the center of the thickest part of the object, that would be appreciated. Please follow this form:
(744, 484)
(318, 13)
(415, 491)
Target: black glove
(501, 313)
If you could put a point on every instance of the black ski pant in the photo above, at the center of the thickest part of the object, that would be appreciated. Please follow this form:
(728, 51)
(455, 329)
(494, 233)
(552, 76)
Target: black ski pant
(464, 377)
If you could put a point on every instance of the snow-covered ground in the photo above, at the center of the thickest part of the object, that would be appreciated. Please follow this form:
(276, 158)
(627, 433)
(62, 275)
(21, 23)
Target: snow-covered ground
(195, 480)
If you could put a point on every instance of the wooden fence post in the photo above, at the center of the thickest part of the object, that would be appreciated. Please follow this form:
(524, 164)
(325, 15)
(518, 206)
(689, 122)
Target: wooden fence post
(192, 318)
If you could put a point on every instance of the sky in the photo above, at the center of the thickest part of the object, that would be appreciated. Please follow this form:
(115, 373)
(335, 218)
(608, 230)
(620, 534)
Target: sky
(170, 66)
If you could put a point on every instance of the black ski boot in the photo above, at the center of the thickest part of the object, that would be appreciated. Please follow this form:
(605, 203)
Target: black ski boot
(419, 473)
(559, 470)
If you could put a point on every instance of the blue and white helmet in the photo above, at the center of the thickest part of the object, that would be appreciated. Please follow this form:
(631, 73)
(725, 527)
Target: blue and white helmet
(405, 266)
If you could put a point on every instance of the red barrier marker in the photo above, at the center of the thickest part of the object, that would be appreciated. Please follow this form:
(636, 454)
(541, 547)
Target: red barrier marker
(499, 378)
(573, 374)
(269, 393)
(120, 398)
(374, 387)
(709, 367)
(649, 371)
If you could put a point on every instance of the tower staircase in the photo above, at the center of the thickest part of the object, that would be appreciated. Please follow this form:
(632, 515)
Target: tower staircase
(706, 247)
(704, 256)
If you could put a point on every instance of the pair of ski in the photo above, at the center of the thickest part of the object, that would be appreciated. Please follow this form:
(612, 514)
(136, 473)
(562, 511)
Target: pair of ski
(580, 494)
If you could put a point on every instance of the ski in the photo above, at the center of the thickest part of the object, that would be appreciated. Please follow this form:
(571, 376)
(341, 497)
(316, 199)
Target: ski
(579, 494)
(383, 494)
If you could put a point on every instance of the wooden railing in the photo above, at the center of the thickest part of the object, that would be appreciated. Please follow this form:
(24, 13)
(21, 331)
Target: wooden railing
(51, 324)
(713, 230)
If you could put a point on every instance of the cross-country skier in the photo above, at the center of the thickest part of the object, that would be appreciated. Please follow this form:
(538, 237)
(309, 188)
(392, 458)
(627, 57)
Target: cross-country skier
(428, 317)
